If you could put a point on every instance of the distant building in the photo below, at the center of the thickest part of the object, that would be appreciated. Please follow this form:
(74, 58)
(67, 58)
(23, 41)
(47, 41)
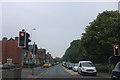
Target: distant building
(41, 55)
(49, 58)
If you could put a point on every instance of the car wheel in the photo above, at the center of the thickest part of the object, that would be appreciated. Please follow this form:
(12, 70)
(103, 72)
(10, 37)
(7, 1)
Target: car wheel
(81, 72)
(113, 78)
(95, 74)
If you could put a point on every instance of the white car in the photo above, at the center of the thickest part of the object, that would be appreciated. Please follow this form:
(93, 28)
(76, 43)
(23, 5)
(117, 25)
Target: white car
(75, 68)
(50, 65)
(86, 67)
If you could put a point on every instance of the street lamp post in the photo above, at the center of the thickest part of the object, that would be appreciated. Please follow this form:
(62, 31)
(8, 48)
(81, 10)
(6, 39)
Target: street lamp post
(33, 50)
(31, 33)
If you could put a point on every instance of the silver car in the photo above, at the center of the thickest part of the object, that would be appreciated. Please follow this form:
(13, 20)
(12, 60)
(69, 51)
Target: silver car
(116, 72)
(8, 66)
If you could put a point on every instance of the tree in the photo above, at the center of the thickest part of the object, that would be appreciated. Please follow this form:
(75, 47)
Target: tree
(96, 44)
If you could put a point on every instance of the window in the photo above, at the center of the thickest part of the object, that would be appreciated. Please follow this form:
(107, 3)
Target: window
(87, 64)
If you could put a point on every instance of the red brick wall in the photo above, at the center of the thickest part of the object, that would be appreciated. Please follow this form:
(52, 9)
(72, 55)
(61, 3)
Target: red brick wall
(18, 51)
(10, 50)
(4, 49)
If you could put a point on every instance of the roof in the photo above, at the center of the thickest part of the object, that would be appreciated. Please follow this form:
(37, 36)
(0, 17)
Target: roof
(11, 39)
(84, 61)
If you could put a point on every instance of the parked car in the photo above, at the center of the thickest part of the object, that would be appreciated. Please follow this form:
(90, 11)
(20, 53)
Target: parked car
(8, 66)
(46, 65)
(50, 65)
(86, 68)
(116, 72)
(63, 63)
(70, 65)
(75, 67)
(1, 65)
(67, 64)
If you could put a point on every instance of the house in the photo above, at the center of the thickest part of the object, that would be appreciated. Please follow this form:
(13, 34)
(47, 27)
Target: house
(41, 55)
(10, 50)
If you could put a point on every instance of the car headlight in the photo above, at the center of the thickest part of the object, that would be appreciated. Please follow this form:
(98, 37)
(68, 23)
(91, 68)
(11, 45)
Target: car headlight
(83, 69)
(95, 70)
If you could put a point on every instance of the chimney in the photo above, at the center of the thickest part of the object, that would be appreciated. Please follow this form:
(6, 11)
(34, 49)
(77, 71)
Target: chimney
(4, 38)
(16, 38)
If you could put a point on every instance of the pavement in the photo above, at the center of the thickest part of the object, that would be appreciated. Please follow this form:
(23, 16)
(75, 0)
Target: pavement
(30, 73)
(0, 74)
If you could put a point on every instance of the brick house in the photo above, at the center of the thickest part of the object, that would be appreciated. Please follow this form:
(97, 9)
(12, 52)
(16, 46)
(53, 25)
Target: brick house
(10, 50)
(49, 58)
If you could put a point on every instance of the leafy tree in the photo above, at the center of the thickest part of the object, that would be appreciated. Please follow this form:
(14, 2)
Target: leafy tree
(96, 44)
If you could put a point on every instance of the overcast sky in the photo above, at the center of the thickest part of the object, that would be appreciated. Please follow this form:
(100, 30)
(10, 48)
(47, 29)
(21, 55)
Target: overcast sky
(57, 23)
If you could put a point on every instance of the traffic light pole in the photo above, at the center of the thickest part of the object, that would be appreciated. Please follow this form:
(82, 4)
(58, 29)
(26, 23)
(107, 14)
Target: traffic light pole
(109, 62)
(33, 58)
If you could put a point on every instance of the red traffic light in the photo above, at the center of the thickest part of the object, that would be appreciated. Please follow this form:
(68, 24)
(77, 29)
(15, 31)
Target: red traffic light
(116, 50)
(22, 39)
(22, 34)
(116, 47)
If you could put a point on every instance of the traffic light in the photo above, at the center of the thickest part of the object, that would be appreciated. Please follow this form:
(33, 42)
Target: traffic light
(116, 50)
(34, 49)
(22, 39)
(27, 40)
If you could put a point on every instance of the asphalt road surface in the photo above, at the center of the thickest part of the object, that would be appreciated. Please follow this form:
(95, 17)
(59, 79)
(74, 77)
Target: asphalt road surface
(56, 71)
(59, 71)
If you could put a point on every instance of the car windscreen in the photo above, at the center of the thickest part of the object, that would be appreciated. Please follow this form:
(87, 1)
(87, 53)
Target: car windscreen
(117, 67)
(76, 64)
(46, 63)
(87, 64)
(8, 64)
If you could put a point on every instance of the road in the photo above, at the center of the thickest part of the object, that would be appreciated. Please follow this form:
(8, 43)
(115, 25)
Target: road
(58, 71)
(55, 72)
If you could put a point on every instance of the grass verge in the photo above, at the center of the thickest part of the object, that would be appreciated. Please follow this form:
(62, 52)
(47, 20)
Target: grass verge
(102, 68)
